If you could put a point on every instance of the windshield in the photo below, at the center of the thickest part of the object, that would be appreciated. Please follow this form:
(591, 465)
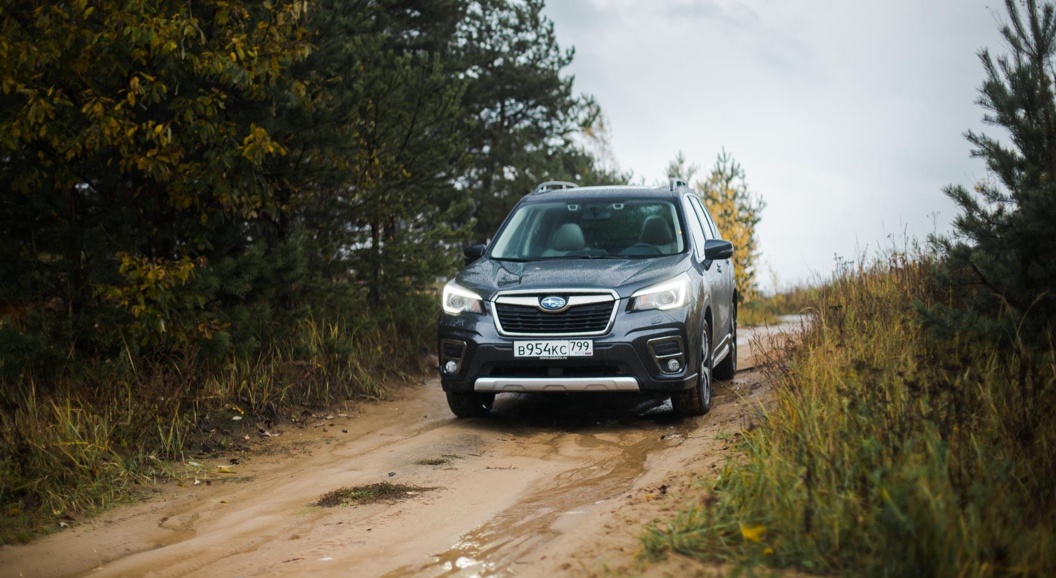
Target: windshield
(591, 228)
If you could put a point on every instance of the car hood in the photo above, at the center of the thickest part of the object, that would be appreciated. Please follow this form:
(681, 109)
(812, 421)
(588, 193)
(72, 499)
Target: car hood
(488, 277)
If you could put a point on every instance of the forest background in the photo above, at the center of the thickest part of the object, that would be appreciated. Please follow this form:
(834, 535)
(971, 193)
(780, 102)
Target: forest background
(233, 207)
(218, 215)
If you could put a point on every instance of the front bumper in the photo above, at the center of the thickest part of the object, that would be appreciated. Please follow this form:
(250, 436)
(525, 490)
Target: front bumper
(632, 356)
(554, 384)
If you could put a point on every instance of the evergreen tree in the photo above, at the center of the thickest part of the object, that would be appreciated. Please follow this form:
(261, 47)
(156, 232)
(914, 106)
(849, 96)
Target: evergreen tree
(680, 168)
(383, 143)
(1000, 261)
(526, 114)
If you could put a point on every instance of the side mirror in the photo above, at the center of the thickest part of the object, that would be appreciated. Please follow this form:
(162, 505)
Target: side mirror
(473, 252)
(715, 249)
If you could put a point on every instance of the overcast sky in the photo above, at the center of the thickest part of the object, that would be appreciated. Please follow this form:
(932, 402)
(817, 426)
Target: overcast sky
(847, 115)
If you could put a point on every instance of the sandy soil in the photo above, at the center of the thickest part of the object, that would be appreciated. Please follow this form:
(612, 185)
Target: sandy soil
(547, 486)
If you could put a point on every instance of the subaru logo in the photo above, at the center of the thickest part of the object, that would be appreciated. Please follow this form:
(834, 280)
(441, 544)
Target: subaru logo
(552, 303)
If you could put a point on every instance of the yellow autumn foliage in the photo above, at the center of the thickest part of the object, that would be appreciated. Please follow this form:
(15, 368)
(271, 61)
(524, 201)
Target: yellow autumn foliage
(736, 211)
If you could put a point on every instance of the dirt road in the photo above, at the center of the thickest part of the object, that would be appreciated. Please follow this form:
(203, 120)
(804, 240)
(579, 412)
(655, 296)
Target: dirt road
(546, 486)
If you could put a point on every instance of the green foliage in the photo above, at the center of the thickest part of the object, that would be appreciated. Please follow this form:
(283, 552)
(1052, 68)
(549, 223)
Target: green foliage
(527, 118)
(382, 144)
(1001, 261)
(134, 137)
(887, 452)
(180, 179)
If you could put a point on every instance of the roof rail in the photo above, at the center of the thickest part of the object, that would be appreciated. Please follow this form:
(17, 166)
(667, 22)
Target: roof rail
(553, 186)
(677, 182)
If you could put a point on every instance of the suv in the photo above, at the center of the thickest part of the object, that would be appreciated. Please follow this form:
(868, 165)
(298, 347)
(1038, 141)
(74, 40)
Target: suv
(613, 288)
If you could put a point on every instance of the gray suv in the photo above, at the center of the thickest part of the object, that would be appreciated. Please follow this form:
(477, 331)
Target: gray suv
(599, 289)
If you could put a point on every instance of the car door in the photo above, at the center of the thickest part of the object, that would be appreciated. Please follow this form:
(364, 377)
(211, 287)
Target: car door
(712, 276)
(724, 289)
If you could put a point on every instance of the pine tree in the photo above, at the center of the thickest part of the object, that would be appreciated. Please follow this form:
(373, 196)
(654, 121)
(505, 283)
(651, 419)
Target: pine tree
(382, 145)
(526, 114)
(1000, 262)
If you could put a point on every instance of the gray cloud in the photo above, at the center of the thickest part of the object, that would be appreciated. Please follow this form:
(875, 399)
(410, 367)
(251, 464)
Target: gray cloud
(847, 116)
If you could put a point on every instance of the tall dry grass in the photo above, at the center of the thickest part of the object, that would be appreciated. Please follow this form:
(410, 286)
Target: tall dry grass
(885, 452)
(77, 444)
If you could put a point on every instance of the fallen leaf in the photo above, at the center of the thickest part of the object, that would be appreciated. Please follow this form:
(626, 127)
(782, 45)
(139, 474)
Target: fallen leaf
(225, 469)
(753, 533)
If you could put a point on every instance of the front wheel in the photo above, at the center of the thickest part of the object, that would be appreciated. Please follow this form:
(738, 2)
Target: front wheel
(470, 403)
(697, 400)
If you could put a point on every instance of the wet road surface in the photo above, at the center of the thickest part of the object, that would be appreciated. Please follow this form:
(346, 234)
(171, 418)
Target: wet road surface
(542, 487)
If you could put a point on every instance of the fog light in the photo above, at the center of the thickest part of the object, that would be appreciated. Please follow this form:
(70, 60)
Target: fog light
(451, 367)
(672, 365)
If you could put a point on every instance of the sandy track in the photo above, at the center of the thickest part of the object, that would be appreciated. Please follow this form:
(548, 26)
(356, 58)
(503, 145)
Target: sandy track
(547, 486)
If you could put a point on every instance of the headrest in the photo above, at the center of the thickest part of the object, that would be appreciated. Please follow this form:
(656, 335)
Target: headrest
(567, 237)
(656, 231)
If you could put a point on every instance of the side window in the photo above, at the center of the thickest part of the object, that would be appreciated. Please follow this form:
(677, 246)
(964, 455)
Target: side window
(710, 229)
(696, 231)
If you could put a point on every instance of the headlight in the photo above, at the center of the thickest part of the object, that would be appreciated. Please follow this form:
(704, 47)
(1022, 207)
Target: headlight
(666, 295)
(457, 299)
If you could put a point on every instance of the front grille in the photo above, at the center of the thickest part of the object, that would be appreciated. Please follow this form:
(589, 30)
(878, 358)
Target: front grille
(589, 318)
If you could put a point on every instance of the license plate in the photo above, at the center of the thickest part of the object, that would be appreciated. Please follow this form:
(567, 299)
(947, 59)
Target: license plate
(554, 349)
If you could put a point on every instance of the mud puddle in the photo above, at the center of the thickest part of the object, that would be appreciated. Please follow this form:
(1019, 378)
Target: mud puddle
(612, 441)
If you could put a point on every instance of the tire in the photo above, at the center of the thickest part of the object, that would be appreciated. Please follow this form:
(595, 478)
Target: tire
(469, 403)
(697, 400)
(727, 368)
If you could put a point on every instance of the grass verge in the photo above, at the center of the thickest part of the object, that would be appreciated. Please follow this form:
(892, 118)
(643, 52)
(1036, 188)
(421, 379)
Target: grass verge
(101, 432)
(885, 452)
